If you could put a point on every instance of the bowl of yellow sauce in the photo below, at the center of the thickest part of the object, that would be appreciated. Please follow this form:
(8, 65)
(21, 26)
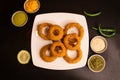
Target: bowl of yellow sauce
(96, 63)
(19, 18)
(98, 44)
(31, 6)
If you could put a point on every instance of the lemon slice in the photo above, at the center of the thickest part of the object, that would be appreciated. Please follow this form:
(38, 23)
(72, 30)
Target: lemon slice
(23, 56)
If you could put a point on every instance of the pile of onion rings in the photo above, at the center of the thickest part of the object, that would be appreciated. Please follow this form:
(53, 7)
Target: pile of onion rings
(62, 41)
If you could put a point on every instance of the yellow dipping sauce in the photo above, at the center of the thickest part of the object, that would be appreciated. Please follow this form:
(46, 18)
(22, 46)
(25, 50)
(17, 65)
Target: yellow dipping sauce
(31, 6)
(96, 63)
(19, 18)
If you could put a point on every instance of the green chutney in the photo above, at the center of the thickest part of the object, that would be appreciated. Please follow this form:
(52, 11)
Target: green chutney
(96, 63)
(19, 18)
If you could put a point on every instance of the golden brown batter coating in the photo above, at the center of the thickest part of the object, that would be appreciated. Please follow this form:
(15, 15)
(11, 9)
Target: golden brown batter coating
(55, 32)
(75, 60)
(40, 30)
(58, 49)
(45, 57)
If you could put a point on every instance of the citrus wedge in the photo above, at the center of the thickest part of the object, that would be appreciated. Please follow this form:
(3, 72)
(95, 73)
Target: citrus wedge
(23, 56)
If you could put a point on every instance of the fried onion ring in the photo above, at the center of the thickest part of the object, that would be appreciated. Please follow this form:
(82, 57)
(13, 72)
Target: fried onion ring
(72, 41)
(44, 56)
(55, 32)
(76, 59)
(58, 49)
(77, 25)
(40, 30)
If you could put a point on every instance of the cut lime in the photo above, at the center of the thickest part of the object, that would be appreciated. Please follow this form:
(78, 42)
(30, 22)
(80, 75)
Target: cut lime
(23, 56)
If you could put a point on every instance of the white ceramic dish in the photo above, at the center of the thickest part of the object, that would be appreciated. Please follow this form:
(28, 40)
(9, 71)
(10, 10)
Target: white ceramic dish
(37, 42)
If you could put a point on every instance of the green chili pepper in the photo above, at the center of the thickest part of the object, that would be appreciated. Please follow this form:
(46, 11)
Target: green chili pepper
(106, 35)
(92, 14)
(105, 29)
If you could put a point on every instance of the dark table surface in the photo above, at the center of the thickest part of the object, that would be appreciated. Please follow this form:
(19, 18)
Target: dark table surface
(14, 39)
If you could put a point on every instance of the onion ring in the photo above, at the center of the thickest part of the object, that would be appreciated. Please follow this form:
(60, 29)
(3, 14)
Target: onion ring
(45, 57)
(77, 25)
(58, 49)
(72, 41)
(55, 32)
(75, 60)
(40, 28)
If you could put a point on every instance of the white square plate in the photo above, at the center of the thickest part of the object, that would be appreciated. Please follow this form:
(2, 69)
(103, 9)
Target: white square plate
(37, 42)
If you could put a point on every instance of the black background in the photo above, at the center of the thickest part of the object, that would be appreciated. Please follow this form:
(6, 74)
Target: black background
(13, 39)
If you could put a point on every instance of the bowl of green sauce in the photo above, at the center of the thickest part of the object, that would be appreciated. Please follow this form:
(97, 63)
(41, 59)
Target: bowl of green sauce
(19, 18)
(96, 63)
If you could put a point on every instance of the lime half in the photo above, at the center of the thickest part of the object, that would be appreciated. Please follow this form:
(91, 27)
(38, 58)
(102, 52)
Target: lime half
(23, 56)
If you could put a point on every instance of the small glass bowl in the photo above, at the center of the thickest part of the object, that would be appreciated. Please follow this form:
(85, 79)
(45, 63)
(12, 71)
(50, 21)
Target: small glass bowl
(96, 61)
(18, 15)
(98, 44)
(32, 5)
